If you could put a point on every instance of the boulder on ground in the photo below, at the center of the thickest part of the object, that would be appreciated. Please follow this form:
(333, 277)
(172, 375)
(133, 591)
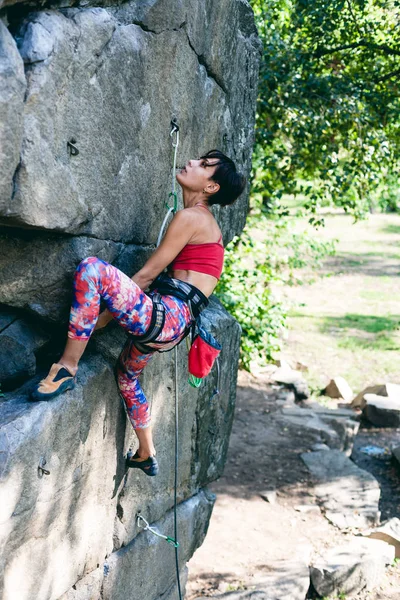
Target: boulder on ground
(308, 508)
(351, 568)
(382, 411)
(286, 580)
(391, 390)
(296, 365)
(269, 496)
(388, 532)
(319, 446)
(358, 401)
(282, 364)
(293, 380)
(299, 366)
(349, 495)
(339, 388)
(337, 428)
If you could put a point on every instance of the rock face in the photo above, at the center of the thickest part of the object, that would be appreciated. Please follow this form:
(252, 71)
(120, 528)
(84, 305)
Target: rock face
(12, 90)
(37, 270)
(125, 579)
(87, 95)
(396, 455)
(83, 512)
(18, 344)
(122, 61)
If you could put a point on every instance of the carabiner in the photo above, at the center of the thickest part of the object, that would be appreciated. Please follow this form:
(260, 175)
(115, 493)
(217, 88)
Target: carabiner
(174, 129)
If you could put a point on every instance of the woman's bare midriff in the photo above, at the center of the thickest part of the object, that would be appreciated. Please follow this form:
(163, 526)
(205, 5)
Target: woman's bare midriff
(205, 283)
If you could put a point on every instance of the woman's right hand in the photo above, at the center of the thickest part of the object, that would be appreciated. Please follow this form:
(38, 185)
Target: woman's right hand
(104, 318)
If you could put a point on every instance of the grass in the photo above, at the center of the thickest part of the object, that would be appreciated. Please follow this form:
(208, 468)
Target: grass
(347, 320)
(368, 323)
(391, 228)
(353, 331)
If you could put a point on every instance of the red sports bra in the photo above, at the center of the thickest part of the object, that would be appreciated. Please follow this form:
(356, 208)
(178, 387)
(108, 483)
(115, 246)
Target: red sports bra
(204, 258)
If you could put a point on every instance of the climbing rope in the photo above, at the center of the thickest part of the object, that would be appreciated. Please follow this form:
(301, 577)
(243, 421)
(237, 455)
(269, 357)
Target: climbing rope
(176, 474)
(171, 209)
(175, 130)
(174, 134)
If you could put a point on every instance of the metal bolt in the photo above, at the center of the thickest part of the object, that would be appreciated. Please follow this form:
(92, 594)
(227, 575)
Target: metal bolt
(73, 150)
(41, 470)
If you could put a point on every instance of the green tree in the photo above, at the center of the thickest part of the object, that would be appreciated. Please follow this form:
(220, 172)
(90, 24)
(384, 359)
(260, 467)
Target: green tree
(328, 107)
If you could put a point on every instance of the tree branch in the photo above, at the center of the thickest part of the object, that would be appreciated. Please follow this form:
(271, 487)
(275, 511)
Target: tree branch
(388, 76)
(324, 51)
(353, 16)
(361, 44)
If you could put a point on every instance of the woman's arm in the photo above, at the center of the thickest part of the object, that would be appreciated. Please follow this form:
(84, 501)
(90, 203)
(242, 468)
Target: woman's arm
(179, 233)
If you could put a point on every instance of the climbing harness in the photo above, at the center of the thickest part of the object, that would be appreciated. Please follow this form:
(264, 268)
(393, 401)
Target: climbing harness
(187, 292)
(155, 327)
(168, 286)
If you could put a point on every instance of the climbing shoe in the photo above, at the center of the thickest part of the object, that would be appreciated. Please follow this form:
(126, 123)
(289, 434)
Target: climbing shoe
(58, 381)
(148, 466)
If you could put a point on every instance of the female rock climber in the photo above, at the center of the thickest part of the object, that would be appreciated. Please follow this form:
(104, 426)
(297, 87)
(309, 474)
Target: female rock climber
(193, 252)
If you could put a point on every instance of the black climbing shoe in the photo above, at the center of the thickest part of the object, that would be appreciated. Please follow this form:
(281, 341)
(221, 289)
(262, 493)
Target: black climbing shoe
(148, 466)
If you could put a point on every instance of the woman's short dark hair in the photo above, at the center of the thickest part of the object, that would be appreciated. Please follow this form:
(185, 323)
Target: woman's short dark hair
(230, 181)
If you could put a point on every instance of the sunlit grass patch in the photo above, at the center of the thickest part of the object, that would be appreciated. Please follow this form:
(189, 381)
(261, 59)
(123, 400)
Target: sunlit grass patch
(382, 254)
(369, 332)
(391, 228)
(369, 323)
(382, 342)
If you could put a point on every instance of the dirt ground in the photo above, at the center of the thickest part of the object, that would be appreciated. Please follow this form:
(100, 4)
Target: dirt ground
(249, 537)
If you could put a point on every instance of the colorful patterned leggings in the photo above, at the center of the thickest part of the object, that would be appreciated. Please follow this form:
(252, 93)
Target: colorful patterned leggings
(132, 309)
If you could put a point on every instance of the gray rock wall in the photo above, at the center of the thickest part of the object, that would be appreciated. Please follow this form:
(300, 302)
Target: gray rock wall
(109, 76)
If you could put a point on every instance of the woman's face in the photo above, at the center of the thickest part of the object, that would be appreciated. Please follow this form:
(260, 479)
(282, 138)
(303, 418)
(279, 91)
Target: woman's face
(196, 175)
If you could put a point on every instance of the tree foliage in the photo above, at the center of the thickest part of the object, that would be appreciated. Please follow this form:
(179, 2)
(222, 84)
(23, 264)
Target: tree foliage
(328, 107)
(327, 130)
